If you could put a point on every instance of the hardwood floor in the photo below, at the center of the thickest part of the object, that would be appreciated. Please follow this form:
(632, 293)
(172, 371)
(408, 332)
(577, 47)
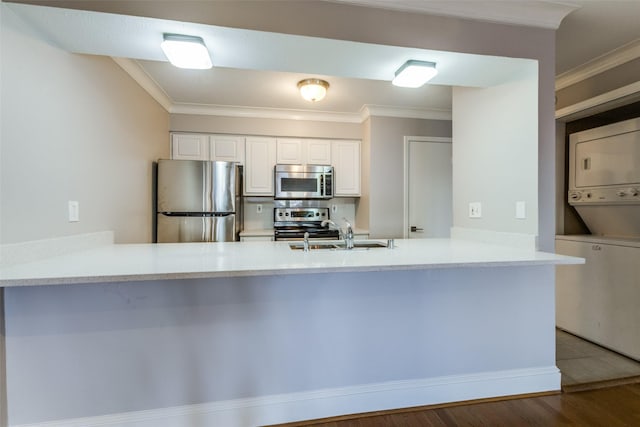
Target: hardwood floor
(606, 407)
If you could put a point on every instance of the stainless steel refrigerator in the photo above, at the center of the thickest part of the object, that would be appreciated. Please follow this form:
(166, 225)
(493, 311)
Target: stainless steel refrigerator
(198, 201)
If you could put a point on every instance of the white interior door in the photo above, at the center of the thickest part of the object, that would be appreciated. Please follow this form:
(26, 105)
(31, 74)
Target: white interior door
(428, 173)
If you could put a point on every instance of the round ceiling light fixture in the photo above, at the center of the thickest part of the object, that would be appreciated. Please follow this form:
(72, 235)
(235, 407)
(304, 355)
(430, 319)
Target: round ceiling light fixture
(313, 90)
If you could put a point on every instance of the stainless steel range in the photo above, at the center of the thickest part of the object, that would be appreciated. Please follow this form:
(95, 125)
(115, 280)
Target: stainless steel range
(292, 223)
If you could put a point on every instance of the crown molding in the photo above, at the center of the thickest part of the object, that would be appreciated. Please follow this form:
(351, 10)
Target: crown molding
(602, 63)
(264, 113)
(145, 81)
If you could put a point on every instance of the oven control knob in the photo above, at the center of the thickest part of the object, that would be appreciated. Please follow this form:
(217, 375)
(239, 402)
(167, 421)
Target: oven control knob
(575, 195)
(621, 193)
(633, 192)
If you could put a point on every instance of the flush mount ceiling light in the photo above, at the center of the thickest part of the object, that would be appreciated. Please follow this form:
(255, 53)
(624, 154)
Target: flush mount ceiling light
(313, 90)
(186, 51)
(414, 73)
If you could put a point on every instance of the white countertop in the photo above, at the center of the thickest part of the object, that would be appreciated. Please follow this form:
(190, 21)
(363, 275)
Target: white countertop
(134, 262)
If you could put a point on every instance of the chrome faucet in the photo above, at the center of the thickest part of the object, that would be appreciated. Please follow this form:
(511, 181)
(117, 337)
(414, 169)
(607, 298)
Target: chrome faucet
(346, 236)
(306, 241)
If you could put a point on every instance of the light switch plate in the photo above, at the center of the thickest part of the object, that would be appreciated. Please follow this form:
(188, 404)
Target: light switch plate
(521, 212)
(334, 208)
(258, 208)
(74, 211)
(475, 210)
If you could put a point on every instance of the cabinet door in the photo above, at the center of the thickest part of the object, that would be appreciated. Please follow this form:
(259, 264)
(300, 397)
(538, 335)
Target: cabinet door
(226, 148)
(259, 163)
(189, 146)
(599, 300)
(290, 151)
(318, 152)
(345, 157)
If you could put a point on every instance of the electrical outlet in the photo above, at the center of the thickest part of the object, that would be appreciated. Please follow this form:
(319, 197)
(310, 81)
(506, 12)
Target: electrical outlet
(74, 211)
(259, 209)
(475, 210)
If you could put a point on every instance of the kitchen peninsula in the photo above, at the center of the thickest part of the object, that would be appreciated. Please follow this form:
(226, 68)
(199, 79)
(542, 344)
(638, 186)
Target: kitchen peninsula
(252, 333)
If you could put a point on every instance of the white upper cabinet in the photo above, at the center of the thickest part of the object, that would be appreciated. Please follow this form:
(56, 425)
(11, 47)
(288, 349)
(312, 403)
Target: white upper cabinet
(227, 148)
(294, 151)
(196, 146)
(318, 152)
(259, 164)
(345, 156)
(290, 151)
(189, 146)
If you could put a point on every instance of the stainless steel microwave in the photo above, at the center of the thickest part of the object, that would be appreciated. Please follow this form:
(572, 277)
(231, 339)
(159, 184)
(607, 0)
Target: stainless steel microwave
(303, 182)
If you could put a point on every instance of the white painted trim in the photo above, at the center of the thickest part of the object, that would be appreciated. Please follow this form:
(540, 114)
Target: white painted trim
(602, 63)
(407, 140)
(282, 408)
(264, 113)
(145, 81)
(516, 240)
(606, 101)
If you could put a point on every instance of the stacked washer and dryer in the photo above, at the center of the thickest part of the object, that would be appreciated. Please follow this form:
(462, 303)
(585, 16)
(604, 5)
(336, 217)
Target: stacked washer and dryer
(600, 301)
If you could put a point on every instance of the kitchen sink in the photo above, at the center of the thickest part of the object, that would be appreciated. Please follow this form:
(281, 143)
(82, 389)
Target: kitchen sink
(339, 245)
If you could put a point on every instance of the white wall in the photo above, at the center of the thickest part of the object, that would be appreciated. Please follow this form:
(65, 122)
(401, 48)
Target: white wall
(78, 128)
(386, 169)
(266, 127)
(495, 154)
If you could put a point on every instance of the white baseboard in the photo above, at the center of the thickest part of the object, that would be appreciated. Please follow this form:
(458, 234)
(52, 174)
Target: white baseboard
(330, 402)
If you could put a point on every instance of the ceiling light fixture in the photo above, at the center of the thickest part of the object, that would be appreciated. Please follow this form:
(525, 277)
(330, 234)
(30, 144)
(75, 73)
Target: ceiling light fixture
(313, 90)
(414, 73)
(186, 51)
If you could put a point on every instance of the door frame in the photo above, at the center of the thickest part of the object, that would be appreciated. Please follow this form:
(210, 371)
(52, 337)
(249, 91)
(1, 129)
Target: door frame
(407, 140)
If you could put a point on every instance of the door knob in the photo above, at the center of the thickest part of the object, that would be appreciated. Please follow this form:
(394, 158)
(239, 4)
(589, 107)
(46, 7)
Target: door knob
(414, 229)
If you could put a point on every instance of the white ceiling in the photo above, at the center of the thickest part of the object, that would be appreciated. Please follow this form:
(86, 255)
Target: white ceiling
(595, 29)
(260, 70)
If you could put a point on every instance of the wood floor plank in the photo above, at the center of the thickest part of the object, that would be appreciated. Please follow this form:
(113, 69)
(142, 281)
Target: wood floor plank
(609, 407)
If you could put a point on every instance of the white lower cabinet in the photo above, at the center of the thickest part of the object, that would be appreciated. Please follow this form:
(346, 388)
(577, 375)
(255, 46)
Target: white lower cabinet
(345, 157)
(260, 159)
(600, 301)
